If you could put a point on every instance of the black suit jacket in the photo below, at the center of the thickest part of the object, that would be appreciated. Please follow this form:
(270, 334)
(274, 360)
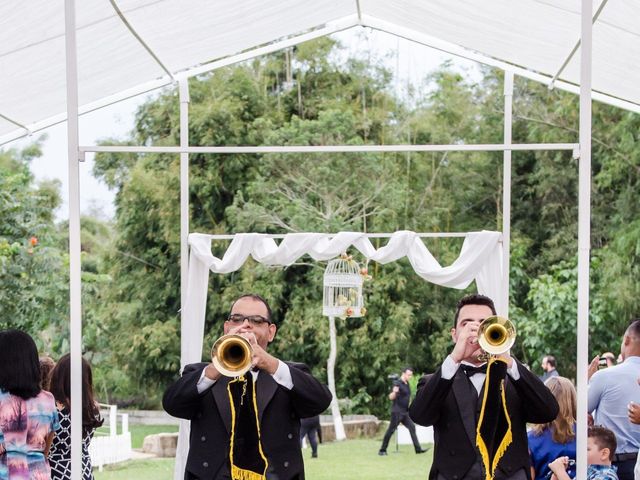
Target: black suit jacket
(451, 407)
(279, 412)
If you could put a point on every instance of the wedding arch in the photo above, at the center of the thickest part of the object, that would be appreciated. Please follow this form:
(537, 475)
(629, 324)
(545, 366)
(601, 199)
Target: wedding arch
(480, 260)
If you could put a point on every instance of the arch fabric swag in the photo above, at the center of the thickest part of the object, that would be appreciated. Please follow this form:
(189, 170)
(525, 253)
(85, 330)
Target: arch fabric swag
(480, 259)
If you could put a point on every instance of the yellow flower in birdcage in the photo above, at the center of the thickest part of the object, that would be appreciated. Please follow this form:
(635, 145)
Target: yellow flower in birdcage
(342, 295)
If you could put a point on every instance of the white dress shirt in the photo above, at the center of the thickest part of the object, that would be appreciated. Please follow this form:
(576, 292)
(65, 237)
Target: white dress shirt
(282, 377)
(450, 367)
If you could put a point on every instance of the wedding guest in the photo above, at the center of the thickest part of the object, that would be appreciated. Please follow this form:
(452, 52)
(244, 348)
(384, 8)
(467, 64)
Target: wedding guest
(28, 417)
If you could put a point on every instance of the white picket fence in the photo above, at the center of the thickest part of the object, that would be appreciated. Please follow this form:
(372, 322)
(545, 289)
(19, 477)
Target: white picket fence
(111, 447)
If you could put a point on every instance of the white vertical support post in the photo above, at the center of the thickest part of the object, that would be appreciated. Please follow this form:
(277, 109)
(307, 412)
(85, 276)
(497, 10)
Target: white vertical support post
(113, 420)
(506, 191)
(125, 423)
(75, 286)
(338, 426)
(584, 234)
(183, 89)
(184, 193)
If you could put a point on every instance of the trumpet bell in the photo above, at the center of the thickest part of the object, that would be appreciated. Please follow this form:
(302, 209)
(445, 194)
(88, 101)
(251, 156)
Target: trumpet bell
(231, 355)
(496, 335)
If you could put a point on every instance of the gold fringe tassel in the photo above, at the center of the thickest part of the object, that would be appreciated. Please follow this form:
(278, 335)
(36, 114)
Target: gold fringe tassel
(242, 474)
(508, 437)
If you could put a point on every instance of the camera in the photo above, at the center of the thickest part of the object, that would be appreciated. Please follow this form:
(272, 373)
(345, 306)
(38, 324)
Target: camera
(602, 363)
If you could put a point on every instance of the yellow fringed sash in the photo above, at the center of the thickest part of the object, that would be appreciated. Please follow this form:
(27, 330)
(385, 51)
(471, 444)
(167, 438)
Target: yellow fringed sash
(489, 464)
(238, 473)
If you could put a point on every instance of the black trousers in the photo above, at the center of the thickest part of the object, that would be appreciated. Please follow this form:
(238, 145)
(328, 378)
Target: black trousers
(398, 418)
(312, 432)
(625, 469)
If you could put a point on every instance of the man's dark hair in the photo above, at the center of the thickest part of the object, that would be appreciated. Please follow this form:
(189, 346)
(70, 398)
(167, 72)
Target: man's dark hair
(473, 299)
(257, 298)
(19, 364)
(61, 390)
(408, 367)
(551, 360)
(604, 438)
(633, 330)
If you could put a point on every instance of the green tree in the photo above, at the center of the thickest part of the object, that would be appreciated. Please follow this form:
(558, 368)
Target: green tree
(32, 296)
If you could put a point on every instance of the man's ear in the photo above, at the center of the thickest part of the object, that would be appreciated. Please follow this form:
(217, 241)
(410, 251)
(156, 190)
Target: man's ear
(272, 331)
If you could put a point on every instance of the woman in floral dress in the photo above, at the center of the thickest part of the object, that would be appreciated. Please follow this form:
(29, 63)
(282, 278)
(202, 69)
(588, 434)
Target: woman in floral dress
(28, 415)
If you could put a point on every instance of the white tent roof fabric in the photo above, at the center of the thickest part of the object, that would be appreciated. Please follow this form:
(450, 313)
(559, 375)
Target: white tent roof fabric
(537, 35)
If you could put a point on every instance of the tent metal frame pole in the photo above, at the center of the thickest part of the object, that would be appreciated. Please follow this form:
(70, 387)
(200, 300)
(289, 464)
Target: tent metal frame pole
(498, 147)
(584, 234)
(506, 190)
(576, 46)
(184, 192)
(228, 236)
(183, 86)
(75, 266)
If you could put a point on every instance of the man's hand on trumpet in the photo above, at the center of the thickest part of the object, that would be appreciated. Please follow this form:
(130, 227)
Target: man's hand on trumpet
(466, 338)
(261, 359)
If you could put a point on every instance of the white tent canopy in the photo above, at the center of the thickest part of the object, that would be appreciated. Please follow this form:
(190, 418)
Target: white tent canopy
(128, 47)
(86, 54)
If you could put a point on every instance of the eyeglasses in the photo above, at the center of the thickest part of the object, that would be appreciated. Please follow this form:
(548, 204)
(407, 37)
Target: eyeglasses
(255, 320)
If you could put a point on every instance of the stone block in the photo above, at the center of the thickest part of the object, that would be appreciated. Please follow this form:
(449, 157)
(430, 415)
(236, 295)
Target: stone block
(161, 444)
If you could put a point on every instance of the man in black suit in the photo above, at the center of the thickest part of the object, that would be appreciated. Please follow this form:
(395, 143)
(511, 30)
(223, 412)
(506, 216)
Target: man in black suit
(450, 400)
(285, 392)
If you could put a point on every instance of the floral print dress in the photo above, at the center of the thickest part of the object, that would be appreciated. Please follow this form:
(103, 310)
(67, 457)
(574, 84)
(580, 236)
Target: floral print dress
(24, 428)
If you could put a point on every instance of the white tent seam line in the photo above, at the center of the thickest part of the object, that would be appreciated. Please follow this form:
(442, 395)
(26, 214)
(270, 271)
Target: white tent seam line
(479, 57)
(329, 28)
(10, 120)
(576, 46)
(140, 40)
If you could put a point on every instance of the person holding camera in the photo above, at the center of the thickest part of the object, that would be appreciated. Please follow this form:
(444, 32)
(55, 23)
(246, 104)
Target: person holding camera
(400, 396)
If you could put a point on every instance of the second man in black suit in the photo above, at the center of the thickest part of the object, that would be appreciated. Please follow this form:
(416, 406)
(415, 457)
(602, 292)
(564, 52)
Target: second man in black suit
(450, 400)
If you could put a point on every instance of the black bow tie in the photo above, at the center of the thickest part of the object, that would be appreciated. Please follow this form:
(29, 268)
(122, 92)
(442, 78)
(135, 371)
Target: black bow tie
(470, 370)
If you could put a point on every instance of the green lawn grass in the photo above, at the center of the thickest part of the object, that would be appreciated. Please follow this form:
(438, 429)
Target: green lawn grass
(348, 460)
(138, 432)
(152, 469)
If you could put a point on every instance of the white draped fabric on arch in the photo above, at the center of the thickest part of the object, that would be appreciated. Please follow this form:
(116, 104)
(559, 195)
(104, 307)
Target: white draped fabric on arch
(480, 259)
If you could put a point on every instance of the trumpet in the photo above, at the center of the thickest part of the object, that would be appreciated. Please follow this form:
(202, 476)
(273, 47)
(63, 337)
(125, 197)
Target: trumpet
(231, 355)
(496, 336)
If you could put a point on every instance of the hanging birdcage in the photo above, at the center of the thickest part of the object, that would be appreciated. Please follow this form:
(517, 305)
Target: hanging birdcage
(342, 295)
